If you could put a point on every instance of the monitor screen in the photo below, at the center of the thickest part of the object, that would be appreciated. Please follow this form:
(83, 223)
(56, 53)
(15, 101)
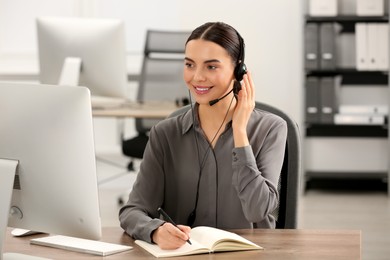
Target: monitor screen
(83, 52)
(49, 132)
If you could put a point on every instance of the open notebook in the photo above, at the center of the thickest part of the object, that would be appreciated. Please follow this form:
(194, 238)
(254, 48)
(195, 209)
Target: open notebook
(80, 245)
(204, 240)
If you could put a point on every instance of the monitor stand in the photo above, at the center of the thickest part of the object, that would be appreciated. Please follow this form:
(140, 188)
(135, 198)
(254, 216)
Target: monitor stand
(70, 72)
(7, 175)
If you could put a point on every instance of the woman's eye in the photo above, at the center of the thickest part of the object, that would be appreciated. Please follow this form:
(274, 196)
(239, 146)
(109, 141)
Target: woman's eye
(189, 65)
(211, 67)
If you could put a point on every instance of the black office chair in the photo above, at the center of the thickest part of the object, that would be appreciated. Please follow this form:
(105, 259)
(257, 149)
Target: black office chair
(161, 79)
(289, 183)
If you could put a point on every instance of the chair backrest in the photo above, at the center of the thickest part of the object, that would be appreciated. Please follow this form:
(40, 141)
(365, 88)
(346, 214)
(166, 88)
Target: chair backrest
(161, 76)
(289, 182)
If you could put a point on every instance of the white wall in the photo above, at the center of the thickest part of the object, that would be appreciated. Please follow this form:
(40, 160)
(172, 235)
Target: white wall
(272, 30)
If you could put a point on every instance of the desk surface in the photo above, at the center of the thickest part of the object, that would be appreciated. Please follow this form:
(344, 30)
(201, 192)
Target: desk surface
(278, 244)
(149, 109)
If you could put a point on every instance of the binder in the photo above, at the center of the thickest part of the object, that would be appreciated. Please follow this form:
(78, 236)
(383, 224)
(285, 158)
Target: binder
(372, 46)
(383, 46)
(372, 43)
(312, 100)
(311, 46)
(327, 46)
(370, 7)
(329, 99)
(361, 35)
(346, 50)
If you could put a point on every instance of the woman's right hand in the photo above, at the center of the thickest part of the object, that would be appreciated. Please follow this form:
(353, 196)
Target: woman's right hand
(168, 236)
(243, 111)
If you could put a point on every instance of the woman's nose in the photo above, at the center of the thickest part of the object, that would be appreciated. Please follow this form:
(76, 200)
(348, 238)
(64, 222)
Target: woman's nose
(199, 75)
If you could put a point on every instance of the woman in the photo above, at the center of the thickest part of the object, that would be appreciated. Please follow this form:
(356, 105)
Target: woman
(217, 164)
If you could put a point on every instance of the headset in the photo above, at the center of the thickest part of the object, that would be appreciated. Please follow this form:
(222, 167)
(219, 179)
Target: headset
(239, 71)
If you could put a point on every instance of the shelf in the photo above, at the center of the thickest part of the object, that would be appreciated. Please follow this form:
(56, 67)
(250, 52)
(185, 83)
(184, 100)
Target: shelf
(353, 76)
(346, 180)
(348, 22)
(321, 130)
(340, 34)
(346, 174)
(348, 19)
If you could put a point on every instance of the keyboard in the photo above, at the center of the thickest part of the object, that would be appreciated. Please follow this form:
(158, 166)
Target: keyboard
(80, 245)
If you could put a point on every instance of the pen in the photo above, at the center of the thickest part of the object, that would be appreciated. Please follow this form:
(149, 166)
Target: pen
(168, 218)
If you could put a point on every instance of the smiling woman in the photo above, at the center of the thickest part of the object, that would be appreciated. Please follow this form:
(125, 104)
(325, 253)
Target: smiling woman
(217, 164)
(207, 78)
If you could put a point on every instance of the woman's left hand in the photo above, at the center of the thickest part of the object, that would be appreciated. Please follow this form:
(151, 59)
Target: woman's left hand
(243, 110)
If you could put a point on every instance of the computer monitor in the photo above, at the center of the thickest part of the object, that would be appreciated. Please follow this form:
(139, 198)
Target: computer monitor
(83, 51)
(47, 147)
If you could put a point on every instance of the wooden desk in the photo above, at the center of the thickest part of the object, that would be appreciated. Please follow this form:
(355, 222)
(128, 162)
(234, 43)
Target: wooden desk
(150, 109)
(278, 244)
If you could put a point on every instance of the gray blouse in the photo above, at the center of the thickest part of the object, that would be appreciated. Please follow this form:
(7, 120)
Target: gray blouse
(237, 187)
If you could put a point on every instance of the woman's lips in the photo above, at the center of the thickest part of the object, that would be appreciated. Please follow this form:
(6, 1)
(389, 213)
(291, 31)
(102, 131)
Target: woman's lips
(202, 90)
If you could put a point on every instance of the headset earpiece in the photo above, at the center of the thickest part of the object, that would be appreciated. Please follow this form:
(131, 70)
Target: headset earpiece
(240, 71)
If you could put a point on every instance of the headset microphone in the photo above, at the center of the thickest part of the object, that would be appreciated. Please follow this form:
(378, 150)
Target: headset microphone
(215, 101)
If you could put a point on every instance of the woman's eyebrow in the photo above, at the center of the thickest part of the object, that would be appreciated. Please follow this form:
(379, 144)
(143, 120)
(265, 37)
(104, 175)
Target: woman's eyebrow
(207, 61)
(212, 60)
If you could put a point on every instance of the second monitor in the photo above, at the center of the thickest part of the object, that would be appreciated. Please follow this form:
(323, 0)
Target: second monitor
(87, 52)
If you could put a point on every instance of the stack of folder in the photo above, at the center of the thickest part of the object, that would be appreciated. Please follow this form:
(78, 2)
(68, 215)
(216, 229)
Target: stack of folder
(372, 46)
(371, 51)
(361, 115)
(322, 98)
(320, 46)
(323, 39)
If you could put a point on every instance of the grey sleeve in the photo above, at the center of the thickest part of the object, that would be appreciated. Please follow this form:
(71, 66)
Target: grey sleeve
(139, 217)
(255, 178)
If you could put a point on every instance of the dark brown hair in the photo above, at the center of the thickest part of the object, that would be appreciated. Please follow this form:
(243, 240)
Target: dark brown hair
(222, 34)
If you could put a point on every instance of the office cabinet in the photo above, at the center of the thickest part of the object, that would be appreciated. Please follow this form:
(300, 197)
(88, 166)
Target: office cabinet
(345, 55)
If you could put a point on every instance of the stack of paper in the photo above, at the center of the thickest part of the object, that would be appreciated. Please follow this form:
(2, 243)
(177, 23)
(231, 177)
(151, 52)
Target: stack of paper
(361, 115)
